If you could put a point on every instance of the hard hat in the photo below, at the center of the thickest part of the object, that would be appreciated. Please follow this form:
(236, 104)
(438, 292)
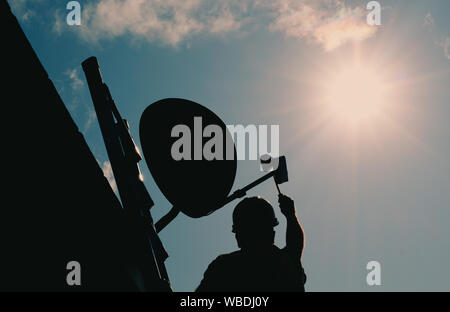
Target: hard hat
(253, 212)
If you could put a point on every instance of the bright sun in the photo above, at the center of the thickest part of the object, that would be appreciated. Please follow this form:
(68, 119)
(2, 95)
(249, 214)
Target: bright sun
(356, 94)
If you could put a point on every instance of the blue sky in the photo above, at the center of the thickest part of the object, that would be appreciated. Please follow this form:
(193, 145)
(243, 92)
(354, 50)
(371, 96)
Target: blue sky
(372, 190)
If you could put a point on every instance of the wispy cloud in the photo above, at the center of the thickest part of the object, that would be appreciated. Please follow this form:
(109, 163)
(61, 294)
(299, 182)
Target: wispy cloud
(447, 47)
(330, 23)
(75, 82)
(108, 173)
(429, 22)
(76, 96)
(170, 21)
(91, 116)
(73, 95)
(58, 24)
(21, 9)
(439, 40)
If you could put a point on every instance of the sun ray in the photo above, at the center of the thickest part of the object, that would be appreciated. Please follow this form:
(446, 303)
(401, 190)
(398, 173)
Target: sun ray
(419, 143)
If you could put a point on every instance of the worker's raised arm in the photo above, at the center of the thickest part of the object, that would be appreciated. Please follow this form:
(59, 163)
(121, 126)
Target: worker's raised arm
(294, 232)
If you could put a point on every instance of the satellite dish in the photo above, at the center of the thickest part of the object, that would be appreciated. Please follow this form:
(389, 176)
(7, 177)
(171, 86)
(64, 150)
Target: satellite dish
(194, 187)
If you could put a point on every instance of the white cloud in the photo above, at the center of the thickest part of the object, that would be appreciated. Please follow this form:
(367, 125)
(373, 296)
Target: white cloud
(75, 82)
(108, 173)
(170, 21)
(21, 10)
(91, 117)
(77, 97)
(25, 10)
(58, 25)
(330, 23)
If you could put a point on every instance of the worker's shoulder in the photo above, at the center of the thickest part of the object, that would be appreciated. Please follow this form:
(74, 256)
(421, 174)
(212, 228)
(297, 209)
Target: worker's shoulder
(239, 255)
(229, 256)
(223, 263)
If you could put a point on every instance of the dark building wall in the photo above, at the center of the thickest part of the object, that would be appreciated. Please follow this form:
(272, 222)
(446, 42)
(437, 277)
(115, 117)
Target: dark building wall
(56, 205)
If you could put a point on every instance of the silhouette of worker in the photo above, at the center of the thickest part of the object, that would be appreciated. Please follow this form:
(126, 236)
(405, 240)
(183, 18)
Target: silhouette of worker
(259, 265)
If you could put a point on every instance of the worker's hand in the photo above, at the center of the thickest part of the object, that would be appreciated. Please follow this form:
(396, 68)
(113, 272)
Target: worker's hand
(287, 206)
